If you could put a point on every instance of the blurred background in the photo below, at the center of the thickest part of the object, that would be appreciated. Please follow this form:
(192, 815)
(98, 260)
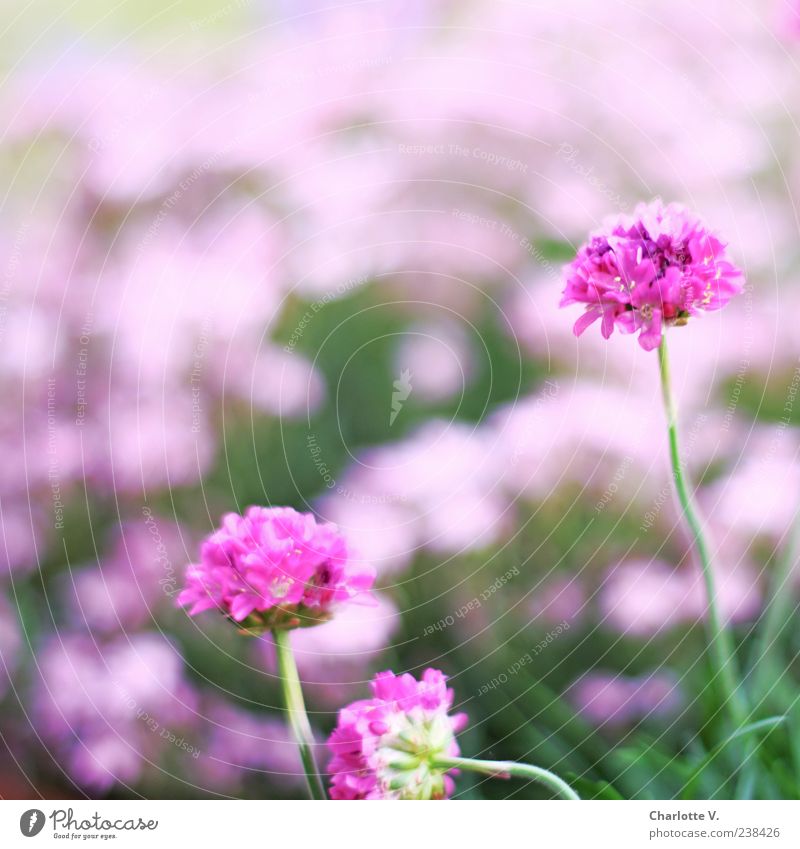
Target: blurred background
(310, 253)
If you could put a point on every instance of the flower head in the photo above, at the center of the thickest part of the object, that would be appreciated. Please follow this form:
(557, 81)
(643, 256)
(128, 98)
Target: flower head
(274, 568)
(656, 267)
(387, 747)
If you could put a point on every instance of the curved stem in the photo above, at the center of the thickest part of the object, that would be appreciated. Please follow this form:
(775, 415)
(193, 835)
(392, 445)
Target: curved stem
(720, 643)
(295, 707)
(510, 768)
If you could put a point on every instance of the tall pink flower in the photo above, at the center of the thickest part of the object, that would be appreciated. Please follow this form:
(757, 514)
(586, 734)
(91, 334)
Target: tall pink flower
(386, 747)
(656, 267)
(274, 568)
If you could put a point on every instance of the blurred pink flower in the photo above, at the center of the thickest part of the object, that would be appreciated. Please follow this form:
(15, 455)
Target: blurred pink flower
(133, 581)
(384, 533)
(146, 442)
(274, 567)
(177, 294)
(601, 438)
(759, 496)
(612, 700)
(24, 535)
(111, 711)
(560, 599)
(787, 19)
(438, 356)
(443, 478)
(643, 598)
(383, 747)
(351, 640)
(271, 380)
(238, 744)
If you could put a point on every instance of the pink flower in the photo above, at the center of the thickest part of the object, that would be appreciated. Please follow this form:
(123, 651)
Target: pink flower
(561, 599)
(274, 568)
(642, 598)
(128, 584)
(386, 747)
(612, 700)
(111, 711)
(659, 266)
(241, 745)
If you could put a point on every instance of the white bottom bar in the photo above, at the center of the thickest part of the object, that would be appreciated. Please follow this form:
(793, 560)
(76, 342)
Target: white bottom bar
(392, 825)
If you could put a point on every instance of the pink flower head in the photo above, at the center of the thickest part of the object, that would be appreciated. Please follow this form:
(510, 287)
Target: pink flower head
(386, 747)
(274, 568)
(659, 266)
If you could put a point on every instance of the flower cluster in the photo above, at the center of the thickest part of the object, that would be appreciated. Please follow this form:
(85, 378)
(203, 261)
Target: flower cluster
(107, 709)
(274, 568)
(659, 266)
(387, 747)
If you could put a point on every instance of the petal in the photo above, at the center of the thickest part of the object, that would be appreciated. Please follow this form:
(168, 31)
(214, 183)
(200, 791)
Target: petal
(607, 327)
(644, 272)
(202, 604)
(650, 337)
(242, 606)
(586, 320)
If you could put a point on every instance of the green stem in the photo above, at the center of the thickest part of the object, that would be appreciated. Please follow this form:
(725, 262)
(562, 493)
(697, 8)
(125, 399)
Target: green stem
(295, 707)
(754, 727)
(721, 648)
(506, 768)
